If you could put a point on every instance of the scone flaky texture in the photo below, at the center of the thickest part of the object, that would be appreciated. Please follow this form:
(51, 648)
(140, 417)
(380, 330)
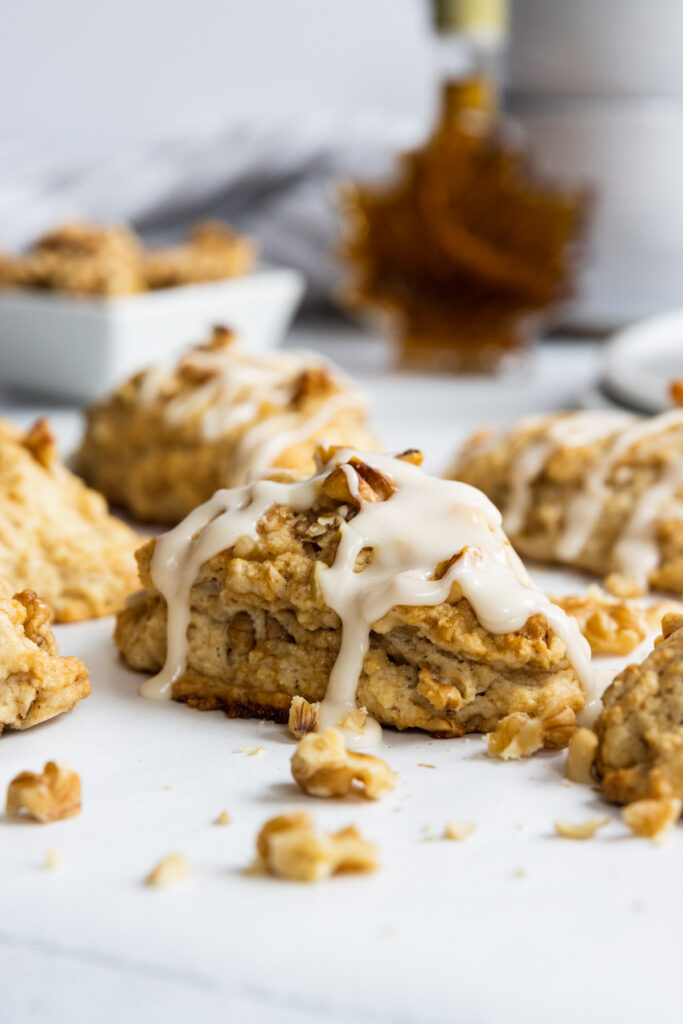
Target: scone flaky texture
(536, 472)
(166, 440)
(640, 730)
(260, 633)
(35, 683)
(56, 535)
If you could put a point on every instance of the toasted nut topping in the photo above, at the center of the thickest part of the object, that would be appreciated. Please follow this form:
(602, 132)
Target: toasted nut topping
(365, 484)
(169, 871)
(37, 621)
(611, 626)
(303, 717)
(580, 756)
(442, 696)
(40, 441)
(412, 455)
(313, 381)
(221, 337)
(459, 829)
(622, 586)
(223, 819)
(582, 830)
(290, 847)
(652, 818)
(194, 371)
(670, 623)
(54, 795)
(516, 736)
(322, 766)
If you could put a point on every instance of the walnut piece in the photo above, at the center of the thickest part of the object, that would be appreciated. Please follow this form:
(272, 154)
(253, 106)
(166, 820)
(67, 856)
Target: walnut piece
(652, 818)
(322, 766)
(580, 756)
(169, 871)
(223, 819)
(580, 830)
(51, 796)
(290, 847)
(303, 717)
(610, 626)
(459, 829)
(369, 484)
(622, 586)
(442, 696)
(516, 736)
(40, 441)
(53, 860)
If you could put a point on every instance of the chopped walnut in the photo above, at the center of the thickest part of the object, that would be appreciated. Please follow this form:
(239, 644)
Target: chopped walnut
(169, 871)
(37, 621)
(412, 455)
(516, 736)
(613, 626)
(581, 830)
(223, 819)
(370, 484)
(652, 818)
(290, 847)
(53, 859)
(303, 717)
(622, 586)
(40, 442)
(459, 829)
(221, 337)
(315, 380)
(51, 796)
(670, 623)
(322, 766)
(676, 392)
(581, 755)
(442, 696)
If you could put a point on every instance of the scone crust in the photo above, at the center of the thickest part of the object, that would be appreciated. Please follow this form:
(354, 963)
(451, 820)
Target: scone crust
(35, 683)
(56, 535)
(640, 730)
(260, 633)
(490, 466)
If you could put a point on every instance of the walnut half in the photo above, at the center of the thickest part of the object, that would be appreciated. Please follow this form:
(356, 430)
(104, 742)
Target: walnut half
(290, 847)
(54, 795)
(303, 717)
(322, 766)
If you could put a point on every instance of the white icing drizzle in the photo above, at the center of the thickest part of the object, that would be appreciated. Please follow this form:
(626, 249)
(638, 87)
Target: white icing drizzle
(241, 386)
(423, 524)
(636, 552)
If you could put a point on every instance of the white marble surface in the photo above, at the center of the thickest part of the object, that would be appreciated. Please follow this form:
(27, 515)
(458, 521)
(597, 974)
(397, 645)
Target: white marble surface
(513, 924)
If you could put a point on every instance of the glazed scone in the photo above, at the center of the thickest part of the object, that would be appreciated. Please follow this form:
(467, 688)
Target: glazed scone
(212, 252)
(601, 491)
(367, 586)
(35, 683)
(640, 730)
(56, 535)
(169, 437)
(83, 258)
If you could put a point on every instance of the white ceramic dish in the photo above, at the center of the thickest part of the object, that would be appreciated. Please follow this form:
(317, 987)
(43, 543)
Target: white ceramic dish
(642, 360)
(77, 348)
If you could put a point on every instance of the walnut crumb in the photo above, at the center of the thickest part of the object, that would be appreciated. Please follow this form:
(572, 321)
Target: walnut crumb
(519, 873)
(422, 764)
(40, 442)
(583, 747)
(354, 721)
(53, 859)
(51, 796)
(459, 829)
(322, 766)
(516, 736)
(611, 625)
(622, 586)
(223, 819)
(249, 751)
(652, 819)
(169, 871)
(290, 847)
(303, 717)
(580, 830)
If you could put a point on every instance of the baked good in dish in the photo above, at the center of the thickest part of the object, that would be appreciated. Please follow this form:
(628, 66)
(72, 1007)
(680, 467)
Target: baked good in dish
(110, 260)
(369, 585)
(212, 252)
(601, 491)
(35, 683)
(640, 730)
(56, 535)
(170, 436)
(89, 259)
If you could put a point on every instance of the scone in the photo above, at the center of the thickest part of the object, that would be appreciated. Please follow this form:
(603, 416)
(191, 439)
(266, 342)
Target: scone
(369, 585)
(83, 258)
(35, 683)
(212, 252)
(640, 730)
(169, 437)
(56, 535)
(601, 491)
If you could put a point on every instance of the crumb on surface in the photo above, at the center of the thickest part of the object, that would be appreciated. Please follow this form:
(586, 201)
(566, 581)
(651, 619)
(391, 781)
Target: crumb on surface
(250, 751)
(459, 829)
(652, 819)
(323, 766)
(581, 753)
(50, 796)
(290, 847)
(421, 764)
(169, 871)
(53, 859)
(580, 830)
(223, 819)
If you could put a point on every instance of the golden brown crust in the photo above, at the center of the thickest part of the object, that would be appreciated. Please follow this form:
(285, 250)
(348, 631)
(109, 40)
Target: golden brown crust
(640, 730)
(56, 535)
(491, 464)
(154, 455)
(35, 684)
(261, 634)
